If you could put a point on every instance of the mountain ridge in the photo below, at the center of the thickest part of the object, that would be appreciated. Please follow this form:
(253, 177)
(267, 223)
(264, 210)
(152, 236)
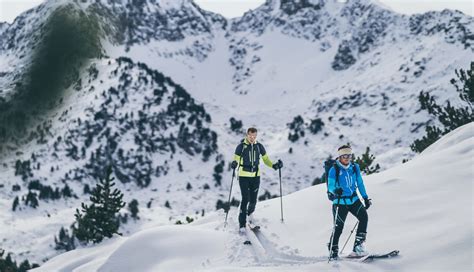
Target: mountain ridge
(355, 69)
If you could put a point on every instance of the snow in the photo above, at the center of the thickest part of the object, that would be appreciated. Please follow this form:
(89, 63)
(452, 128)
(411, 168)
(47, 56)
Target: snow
(309, 82)
(464, 134)
(171, 4)
(294, 77)
(382, 5)
(422, 208)
(296, 70)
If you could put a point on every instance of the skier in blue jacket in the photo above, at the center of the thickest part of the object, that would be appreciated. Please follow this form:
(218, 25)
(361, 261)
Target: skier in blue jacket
(345, 199)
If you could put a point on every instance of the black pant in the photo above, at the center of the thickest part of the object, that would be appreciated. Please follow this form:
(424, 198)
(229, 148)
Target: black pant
(249, 189)
(357, 209)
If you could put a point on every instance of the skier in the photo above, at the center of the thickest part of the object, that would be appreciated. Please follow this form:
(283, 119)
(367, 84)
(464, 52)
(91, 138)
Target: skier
(342, 191)
(247, 158)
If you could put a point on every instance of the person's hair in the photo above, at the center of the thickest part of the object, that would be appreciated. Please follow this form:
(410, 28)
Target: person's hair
(344, 146)
(251, 130)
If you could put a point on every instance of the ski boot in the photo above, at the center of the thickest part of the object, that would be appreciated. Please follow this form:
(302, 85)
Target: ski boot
(333, 252)
(359, 245)
(242, 229)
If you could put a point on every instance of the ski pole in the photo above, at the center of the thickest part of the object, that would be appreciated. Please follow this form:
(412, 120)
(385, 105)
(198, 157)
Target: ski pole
(333, 232)
(281, 197)
(349, 236)
(230, 193)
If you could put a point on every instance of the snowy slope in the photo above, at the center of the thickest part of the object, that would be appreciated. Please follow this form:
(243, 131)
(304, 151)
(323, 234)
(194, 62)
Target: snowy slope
(357, 66)
(140, 132)
(423, 208)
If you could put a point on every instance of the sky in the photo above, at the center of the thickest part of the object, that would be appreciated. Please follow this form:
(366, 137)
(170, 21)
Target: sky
(9, 9)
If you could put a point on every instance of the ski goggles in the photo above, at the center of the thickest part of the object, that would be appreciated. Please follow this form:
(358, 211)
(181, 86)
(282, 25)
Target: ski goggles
(346, 156)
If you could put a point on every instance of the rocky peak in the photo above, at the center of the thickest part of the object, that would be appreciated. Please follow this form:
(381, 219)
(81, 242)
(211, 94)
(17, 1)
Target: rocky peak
(140, 21)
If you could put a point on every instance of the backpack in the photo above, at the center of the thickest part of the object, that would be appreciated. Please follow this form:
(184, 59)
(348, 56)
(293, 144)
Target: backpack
(328, 164)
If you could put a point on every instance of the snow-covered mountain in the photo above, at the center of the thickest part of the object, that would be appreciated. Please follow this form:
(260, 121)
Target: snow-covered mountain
(332, 61)
(157, 102)
(428, 220)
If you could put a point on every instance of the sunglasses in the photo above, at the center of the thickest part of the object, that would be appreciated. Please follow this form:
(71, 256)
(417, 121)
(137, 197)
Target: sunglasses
(346, 156)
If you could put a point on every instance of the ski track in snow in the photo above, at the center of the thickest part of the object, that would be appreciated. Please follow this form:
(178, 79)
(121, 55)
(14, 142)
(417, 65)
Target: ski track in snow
(266, 253)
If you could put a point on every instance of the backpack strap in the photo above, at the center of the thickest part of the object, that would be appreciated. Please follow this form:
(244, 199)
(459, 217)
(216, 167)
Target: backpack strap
(354, 169)
(240, 158)
(336, 167)
(258, 162)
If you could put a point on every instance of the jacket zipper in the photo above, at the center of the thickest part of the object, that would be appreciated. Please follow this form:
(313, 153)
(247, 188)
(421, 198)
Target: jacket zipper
(251, 156)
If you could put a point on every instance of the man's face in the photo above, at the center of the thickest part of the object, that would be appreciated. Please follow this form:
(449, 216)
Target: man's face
(252, 137)
(345, 159)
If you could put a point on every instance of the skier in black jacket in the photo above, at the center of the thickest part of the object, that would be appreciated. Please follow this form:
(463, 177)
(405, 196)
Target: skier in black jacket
(247, 158)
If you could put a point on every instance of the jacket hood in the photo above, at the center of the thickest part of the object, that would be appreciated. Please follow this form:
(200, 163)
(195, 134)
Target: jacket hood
(245, 141)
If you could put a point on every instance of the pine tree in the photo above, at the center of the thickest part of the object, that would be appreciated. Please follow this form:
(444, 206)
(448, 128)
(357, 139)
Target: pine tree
(235, 125)
(133, 207)
(296, 129)
(316, 125)
(31, 199)
(218, 170)
(66, 191)
(99, 219)
(64, 241)
(7, 264)
(25, 266)
(366, 161)
(87, 189)
(16, 202)
(449, 116)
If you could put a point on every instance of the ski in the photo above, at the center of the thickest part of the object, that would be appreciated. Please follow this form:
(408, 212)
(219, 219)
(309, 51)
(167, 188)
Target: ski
(260, 252)
(350, 256)
(371, 257)
(245, 238)
(253, 227)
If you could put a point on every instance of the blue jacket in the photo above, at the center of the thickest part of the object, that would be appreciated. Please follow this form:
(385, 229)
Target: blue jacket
(348, 181)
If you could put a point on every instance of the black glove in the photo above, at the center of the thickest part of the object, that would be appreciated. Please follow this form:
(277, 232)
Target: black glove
(367, 203)
(234, 164)
(280, 164)
(277, 165)
(331, 196)
(337, 194)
